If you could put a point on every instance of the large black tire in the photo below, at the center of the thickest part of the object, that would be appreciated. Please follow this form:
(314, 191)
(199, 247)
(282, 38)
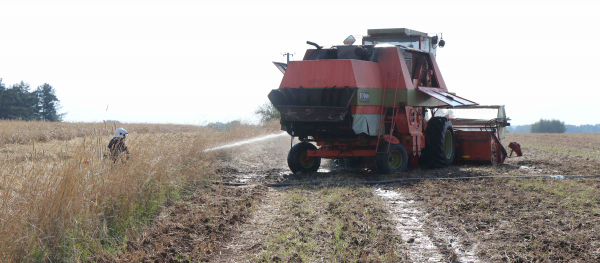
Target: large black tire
(297, 158)
(393, 161)
(439, 143)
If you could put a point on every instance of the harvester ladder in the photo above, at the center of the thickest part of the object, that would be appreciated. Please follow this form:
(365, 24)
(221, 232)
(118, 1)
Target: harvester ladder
(383, 115)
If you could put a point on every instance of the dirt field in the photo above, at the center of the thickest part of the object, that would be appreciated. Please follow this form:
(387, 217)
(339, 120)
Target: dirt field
(480, 220)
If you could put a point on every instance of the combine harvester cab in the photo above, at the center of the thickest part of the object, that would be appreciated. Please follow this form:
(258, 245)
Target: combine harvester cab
(374, 101)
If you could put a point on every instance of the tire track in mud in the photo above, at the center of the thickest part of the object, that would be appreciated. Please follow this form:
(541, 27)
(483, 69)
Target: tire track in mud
(253, 162)
(423, 242)
(249, 236)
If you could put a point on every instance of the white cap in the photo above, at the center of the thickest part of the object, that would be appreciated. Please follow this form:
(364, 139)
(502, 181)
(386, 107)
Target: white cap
(120, 132)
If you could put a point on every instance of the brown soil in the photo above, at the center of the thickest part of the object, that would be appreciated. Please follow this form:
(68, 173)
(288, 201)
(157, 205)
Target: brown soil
(524, 220)
(216, 223)
(520, 220)
(195, 228)
(330, 224)
(250, 235)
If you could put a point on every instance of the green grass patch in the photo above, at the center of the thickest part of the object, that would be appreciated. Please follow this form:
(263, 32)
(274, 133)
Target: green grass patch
(81, 245)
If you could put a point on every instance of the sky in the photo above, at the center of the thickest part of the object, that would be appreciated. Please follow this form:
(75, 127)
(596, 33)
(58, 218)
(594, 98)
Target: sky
(193, 62)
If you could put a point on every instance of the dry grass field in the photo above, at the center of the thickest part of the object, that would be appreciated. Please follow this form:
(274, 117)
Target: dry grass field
(24, 132)
(60, 200)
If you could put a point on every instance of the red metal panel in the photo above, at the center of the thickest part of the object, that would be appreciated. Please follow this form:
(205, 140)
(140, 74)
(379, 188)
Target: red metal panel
(409, 119)
(366, 109)
(474, 146)
(366, 74)
(391, 139)
(394, 71)
(338, 153)
(329, 73)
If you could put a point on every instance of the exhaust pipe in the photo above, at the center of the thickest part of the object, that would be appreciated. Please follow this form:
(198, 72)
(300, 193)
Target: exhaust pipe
(314, 44)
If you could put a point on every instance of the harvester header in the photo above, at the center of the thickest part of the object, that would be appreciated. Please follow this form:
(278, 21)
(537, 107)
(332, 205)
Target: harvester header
(377, 101)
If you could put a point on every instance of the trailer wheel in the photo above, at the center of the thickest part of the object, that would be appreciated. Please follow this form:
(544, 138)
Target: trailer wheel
(297, 158)
(393, 161)
(440, 142)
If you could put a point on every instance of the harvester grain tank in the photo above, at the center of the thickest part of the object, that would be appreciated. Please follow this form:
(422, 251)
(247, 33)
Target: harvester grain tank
(384, 100)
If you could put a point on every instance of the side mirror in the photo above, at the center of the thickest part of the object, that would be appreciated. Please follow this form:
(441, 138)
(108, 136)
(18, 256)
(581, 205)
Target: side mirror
(349, 40)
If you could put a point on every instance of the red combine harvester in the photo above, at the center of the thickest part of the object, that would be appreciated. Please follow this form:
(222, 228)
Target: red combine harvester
(384, 100)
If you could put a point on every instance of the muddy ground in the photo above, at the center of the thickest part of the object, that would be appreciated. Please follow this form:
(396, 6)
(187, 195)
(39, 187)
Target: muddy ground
(481, 220)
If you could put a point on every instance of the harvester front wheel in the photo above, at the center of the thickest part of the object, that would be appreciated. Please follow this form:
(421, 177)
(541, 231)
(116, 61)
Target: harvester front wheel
(392, 161)
(297, 160)
(440, 139)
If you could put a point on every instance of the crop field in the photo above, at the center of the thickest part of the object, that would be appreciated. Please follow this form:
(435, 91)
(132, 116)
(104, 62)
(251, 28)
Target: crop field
(60, 200)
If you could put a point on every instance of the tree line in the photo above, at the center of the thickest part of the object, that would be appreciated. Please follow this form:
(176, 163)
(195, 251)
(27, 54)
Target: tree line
(554, 126)
(585, 128)
(548, 126)
(20, 102)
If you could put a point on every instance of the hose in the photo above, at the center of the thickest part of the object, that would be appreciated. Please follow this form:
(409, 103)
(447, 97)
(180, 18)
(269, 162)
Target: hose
(411, 179)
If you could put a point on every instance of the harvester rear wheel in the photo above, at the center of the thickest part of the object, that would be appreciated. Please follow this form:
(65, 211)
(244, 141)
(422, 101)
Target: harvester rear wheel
(392, 161)
(440, 139)
(297, 160)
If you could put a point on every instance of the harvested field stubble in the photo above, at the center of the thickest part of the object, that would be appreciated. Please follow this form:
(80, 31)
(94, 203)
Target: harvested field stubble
(568, 154)
(61, 201)
(192, 228)
(520, 220)
(337, 224)
(525, 220)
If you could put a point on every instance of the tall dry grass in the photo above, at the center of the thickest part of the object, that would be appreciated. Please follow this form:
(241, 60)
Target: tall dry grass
(60, 200)
(19, 132)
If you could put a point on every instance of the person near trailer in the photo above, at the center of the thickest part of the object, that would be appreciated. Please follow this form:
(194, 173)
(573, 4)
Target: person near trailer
(116, 146)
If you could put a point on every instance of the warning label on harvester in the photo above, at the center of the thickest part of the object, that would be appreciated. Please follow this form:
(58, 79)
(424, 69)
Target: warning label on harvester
(363, 97)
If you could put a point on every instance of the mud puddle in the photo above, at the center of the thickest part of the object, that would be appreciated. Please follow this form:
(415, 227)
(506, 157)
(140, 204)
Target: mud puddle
(424, 242)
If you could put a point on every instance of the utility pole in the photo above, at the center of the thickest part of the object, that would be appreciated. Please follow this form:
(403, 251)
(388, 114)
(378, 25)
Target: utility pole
(288, 57)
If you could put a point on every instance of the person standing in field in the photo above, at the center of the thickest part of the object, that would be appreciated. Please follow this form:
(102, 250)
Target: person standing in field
(116, 146)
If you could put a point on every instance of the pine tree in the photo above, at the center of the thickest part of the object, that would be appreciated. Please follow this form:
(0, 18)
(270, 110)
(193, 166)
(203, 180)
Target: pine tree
(3, 110)
(18, 102)
(47, 105)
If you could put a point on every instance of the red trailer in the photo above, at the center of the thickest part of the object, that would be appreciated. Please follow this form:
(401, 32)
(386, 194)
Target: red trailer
(383, 100)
